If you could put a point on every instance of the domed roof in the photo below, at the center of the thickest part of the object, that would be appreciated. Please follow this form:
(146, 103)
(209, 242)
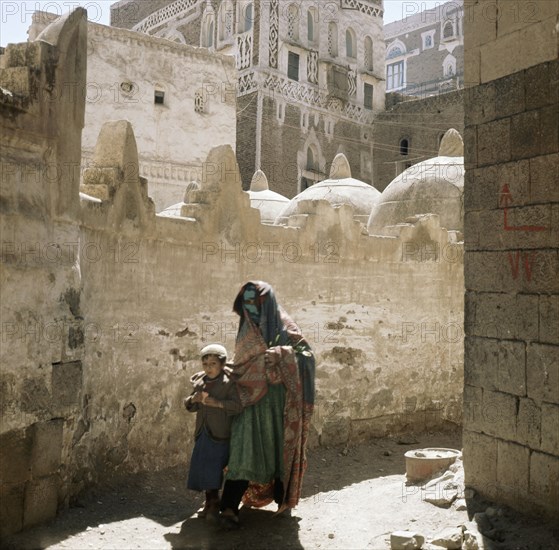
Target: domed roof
(268, 202)
(434, 186)
(339, 189)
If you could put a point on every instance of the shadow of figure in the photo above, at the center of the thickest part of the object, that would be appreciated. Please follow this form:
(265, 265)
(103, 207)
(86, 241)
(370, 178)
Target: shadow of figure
(259, 529)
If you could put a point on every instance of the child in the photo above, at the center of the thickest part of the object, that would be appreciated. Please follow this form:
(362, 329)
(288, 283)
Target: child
(215, 401)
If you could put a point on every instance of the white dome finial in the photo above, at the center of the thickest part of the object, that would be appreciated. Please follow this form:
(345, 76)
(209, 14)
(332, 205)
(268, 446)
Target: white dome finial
(451, 144)
(259, 181)
(340, 168)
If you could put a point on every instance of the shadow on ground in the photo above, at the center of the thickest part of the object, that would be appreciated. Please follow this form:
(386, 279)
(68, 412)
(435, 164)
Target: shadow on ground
(276, 532)
(162, 497)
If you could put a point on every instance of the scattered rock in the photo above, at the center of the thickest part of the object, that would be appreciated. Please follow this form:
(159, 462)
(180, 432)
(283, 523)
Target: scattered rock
(450, 538)
(471, 541)
(330, 535)
(406, 540)
(441, 491)
(460, 505)
(387, 453)
(457, 465)
(490, 512)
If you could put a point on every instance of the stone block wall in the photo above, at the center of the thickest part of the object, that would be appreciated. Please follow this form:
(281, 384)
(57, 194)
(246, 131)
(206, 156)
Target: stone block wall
(511, 395)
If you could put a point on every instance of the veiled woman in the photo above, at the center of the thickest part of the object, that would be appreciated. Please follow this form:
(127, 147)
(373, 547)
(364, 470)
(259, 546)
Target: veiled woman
(274, 371)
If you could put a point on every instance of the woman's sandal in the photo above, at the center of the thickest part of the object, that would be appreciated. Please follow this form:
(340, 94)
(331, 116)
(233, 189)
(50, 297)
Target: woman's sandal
(283, 512)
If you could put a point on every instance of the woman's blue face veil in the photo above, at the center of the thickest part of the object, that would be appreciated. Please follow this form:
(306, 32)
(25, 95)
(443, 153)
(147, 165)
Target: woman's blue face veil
(250, 302)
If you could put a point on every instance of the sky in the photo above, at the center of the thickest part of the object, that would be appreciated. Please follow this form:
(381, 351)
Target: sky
(16, 15)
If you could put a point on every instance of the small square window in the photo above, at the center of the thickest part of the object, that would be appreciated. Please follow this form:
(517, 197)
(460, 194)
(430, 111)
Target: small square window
(159, 97)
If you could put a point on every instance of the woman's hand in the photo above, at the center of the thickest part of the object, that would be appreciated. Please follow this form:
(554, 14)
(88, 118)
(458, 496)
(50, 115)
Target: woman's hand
(271, 357)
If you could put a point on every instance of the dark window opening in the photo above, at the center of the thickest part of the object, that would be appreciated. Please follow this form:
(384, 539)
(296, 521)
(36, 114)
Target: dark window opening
(159, 97)
(404, 147)
(305, 183)
(293, 66)
(368, 97)
(448, 30)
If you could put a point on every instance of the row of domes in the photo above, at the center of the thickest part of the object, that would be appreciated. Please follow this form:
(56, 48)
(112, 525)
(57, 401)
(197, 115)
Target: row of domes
(434, 186)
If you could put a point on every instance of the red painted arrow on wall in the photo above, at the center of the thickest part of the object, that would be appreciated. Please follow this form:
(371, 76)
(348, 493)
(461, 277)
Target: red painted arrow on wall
(506, 201)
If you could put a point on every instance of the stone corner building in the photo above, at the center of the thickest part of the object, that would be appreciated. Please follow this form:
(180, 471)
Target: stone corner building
(511, 395)
(311, 77)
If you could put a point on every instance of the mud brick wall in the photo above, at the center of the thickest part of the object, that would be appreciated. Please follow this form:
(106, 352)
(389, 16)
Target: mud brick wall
(42, 340)
(511, 394)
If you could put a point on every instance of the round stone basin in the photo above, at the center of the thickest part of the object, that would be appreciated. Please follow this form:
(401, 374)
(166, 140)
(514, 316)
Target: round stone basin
(423, 463)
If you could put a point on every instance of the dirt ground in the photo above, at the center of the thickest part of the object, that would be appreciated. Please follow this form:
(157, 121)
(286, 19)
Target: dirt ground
(353, 498)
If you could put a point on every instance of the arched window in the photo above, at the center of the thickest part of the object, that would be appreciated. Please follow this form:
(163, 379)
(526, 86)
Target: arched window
(394, 51)
(293, 22)
(211, 35)
(310, 159)
(368, 49)
(244, 17)
(448, 30)
(449, 66)
(312, 35)
(208, 26)
(350, 45)
(332, 39)
(404, 146)
(248, 17)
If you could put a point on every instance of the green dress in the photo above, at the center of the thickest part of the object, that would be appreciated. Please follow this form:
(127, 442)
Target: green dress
(257, 439)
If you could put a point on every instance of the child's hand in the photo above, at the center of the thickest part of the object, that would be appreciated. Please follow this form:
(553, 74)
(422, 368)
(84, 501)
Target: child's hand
(204, 396)
(197, 397)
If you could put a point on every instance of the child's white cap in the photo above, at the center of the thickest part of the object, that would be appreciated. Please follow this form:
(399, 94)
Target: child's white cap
(214, 349)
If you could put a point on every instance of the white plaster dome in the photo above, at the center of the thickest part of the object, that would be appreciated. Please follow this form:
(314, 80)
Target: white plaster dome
(434, 186)
(268, 202)
(339, 189)
(178, 210)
